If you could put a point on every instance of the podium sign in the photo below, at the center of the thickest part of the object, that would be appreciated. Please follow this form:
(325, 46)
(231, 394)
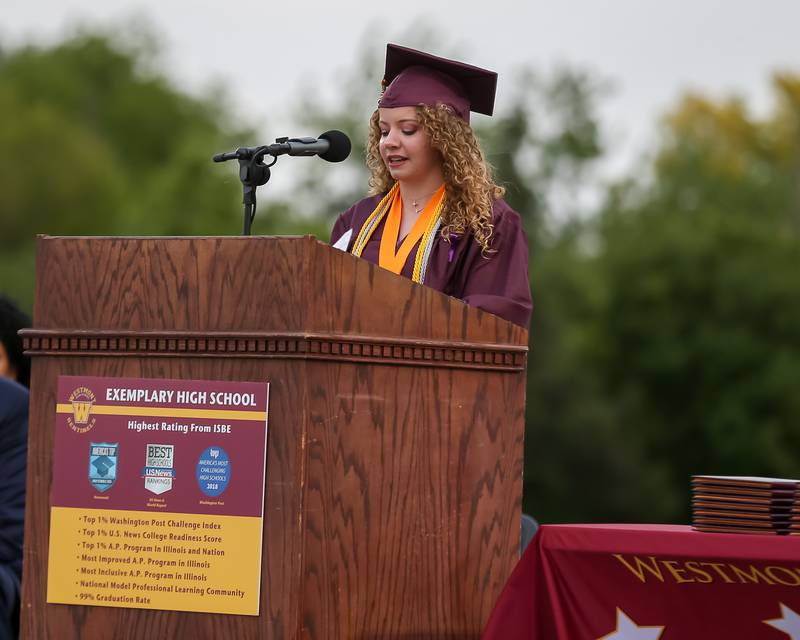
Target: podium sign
(158, 494)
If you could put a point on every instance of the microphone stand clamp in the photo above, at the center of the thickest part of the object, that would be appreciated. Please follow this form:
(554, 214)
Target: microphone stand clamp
(253, 172)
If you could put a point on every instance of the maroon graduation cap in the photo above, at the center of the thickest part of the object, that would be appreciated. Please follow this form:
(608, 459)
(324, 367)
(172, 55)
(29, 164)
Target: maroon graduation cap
(415, 77)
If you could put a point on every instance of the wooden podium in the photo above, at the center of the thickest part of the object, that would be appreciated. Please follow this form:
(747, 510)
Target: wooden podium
(394, 457)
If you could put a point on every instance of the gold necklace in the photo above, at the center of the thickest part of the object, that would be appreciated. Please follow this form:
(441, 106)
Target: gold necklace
(427, 197)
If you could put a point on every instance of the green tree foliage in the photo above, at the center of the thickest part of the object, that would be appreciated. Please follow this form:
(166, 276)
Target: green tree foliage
(96, 142)
(582, 461)
(698, 325)
(544, 145)
(580, 464)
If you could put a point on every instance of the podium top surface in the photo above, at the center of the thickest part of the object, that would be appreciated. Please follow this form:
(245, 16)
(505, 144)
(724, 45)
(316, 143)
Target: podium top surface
(246, 285)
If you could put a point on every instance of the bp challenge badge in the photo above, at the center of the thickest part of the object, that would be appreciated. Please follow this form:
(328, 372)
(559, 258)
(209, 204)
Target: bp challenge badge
(213, 471)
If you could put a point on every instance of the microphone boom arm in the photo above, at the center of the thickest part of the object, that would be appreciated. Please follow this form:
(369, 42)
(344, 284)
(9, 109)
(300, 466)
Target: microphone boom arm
(332, 146)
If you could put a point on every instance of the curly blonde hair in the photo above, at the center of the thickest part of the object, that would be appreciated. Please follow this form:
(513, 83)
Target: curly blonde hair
(468, 179)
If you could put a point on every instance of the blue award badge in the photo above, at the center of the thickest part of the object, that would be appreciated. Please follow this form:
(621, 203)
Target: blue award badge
(213, 471)
(103, 464)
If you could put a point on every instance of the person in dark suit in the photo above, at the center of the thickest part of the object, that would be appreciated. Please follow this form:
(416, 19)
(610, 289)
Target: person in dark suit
(14, 451)
(13, 363)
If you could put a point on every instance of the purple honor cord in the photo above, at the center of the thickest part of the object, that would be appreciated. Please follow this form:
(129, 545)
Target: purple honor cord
(454, 237)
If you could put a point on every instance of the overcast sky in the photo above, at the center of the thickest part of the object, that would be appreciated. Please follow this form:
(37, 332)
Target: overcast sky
(264, 49)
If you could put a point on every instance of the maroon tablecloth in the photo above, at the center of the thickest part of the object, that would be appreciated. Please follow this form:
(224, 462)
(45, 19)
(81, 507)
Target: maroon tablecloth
(623, 582)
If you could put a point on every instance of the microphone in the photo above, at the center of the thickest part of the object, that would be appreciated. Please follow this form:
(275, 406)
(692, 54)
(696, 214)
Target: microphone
(332, 146)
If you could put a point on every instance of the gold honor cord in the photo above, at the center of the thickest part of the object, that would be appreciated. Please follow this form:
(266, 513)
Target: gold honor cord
(424, 249)
(372, 221)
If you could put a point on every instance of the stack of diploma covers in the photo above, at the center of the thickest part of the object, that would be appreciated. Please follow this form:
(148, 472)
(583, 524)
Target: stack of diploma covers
(742, 504)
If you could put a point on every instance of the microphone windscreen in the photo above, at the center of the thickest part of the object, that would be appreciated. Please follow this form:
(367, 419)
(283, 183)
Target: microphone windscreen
(339, 146)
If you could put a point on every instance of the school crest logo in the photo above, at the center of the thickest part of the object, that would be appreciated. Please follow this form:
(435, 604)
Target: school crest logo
(82, 401)
(103, 464)
(159, 470)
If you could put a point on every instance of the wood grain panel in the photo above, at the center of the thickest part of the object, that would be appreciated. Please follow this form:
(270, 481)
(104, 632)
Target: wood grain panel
(224, 284)
(248, 284)
(412, 501)
(354, 296)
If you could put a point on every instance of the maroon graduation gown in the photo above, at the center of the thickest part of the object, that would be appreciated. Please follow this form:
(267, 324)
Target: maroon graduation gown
(497, 283)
